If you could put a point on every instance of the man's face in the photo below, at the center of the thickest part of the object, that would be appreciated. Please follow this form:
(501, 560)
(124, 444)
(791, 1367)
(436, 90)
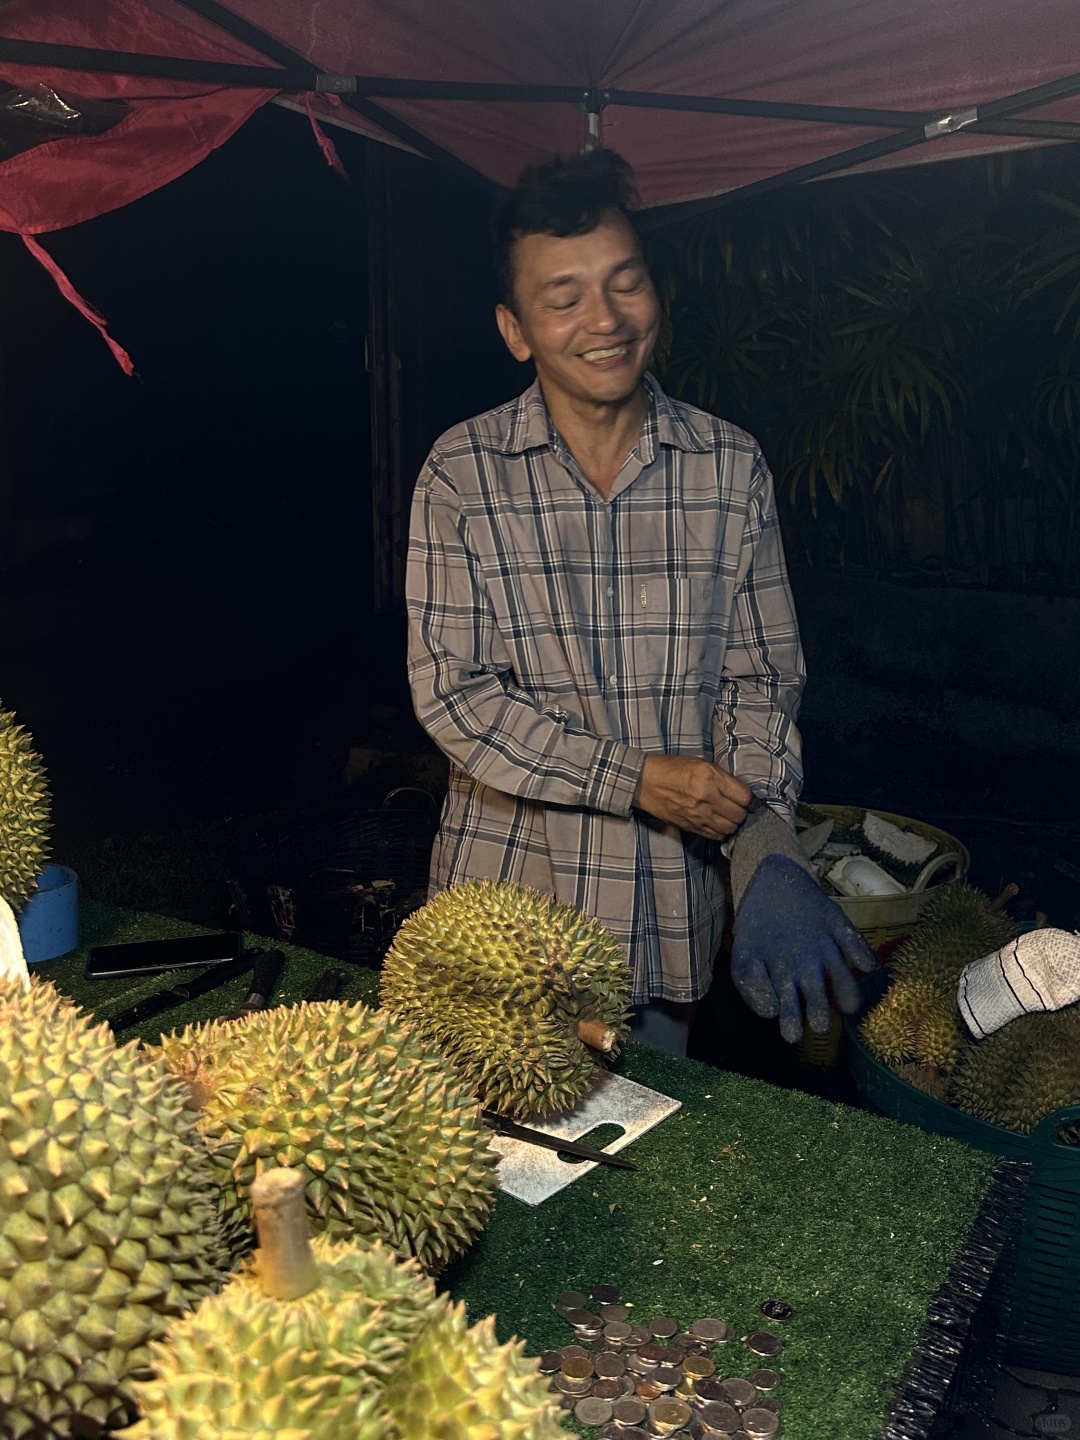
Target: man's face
(585, 311)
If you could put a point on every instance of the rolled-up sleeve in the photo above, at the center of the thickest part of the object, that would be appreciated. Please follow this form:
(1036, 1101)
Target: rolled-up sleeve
(754, 731)
(464, 688)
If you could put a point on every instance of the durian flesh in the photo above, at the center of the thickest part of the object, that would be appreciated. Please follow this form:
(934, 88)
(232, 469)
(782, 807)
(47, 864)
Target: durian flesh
(390, 1139)
(498, 977)
(108, 1228)
(372, 1353)
(24, 813)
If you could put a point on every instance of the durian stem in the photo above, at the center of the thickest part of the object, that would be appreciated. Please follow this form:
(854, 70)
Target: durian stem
(597, 1035)
(286, 1265)
(1006, 895)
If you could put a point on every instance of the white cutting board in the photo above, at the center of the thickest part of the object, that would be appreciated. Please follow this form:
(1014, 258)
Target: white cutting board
(533, 1174)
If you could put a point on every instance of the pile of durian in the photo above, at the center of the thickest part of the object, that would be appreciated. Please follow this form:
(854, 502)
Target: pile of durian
(1014, 1077)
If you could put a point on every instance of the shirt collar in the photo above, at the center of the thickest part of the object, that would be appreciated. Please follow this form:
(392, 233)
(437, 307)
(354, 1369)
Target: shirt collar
(530, 426)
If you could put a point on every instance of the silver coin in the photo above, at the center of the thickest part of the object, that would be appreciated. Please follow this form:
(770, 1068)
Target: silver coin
(710, 1389)
(592, 1411)
(690, 1344)
(760, 1424)
(571, 1300)
(608, 1389)
(633, 1432)
(629, 1384)
(639, 1335)
(549, 1362)
(617, 1331)
(716, 1332)
(638, 1366)
(566, 1402)
(610, 1431)
(605, 1294)
(576, 1316)
(629, 1411)
(778, 1310)
(721, 1418)
(570, 1352)
(652, 1355)
(609, 1366)
(764, 1379)
(614, 1312)
(666, 1376)
(767, 1402)
(761, 1342)
(738, 1392)
(663, 1327)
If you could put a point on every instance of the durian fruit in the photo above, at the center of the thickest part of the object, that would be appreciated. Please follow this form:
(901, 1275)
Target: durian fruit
(300, 1344)
(24, 813)
(1022, 1072)
(917, 1021)
(521, 992)
(391, 1139)
(108, 1226)
(336, 1341)
(460, 1384)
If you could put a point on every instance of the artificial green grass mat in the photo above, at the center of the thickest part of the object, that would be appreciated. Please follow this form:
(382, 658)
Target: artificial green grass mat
(745, 1194)
(109, 925)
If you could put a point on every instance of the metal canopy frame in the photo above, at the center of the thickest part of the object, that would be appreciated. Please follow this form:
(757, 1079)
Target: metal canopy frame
(361, 93)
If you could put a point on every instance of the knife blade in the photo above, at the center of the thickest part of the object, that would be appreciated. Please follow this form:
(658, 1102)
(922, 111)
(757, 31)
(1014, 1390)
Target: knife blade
(165, 999)
(265, 974)
(328, 986)
(514, 1131)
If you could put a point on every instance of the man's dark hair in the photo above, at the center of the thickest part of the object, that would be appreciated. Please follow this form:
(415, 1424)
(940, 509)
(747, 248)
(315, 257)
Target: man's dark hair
(563, 197)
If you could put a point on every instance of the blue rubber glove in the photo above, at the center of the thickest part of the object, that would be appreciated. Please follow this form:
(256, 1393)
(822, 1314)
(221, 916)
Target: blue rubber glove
(789, 936)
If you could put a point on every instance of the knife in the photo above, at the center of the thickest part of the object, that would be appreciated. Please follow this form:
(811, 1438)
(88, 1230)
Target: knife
(328, 986)
(265, 973)
(514, 1131)
(166, 999)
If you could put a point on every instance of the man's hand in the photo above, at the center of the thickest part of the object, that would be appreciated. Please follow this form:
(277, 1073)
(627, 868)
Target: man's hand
(791, 944)
(693, 794)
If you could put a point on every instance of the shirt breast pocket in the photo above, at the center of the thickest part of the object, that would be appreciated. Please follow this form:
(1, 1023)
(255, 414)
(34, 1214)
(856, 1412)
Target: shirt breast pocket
(666, 628)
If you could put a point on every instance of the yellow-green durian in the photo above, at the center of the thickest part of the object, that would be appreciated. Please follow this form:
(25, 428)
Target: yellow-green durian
(389, 1136)
(24, 813)
(916, 1020)
(1022, 1072)
(956, 927)
(500, 978)
(246, 1365)
(108, 1224)
(460, 1384)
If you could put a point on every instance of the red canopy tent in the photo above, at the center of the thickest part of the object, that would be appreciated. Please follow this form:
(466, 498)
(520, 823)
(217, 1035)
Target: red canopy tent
(705, 98)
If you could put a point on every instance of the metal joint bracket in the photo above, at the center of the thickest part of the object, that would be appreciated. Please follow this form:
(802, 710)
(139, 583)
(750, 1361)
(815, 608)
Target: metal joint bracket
(592, 102)
(335, 85)
(949, 124)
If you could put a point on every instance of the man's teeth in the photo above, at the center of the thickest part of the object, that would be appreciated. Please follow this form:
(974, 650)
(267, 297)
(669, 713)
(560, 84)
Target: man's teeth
(604, 354)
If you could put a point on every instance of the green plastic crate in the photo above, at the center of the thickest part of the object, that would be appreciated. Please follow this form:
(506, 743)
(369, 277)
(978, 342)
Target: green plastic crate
(1042, 1291)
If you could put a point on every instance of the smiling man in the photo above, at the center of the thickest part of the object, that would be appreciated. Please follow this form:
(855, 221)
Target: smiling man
(602, 637)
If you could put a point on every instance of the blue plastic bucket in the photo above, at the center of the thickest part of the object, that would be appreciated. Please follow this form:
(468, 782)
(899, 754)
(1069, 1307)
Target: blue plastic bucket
(49, 921)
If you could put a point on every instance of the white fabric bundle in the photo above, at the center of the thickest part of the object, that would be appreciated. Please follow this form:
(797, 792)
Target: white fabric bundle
(1039, 970)
(12, 960)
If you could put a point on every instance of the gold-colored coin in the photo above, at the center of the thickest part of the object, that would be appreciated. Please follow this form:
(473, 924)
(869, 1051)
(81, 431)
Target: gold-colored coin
(578, 1367)
(699, 1366)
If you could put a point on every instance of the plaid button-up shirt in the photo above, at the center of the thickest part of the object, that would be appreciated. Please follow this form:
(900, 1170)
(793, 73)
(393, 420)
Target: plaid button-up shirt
(557, 638)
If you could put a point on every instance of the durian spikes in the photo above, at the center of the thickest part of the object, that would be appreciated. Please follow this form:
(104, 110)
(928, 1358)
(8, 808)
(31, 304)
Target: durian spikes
(522, 993)
(24, 813)
(336, 1341)
(389, 1137)
(286, 1265)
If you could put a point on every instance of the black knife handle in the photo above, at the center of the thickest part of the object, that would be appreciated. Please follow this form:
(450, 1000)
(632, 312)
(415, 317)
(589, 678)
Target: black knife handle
(265, 974)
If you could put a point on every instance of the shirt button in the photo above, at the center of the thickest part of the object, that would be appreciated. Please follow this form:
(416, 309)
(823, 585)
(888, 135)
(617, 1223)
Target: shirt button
(613, 679)
(611, 589)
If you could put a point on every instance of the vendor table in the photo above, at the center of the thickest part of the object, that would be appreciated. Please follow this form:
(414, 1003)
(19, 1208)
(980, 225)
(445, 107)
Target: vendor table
(882, 1238)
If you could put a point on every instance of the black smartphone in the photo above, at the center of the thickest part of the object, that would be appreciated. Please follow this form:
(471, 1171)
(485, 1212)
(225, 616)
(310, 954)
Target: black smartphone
(150, 957)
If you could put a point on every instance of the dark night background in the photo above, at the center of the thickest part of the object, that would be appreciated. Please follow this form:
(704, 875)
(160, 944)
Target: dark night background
(187, 622)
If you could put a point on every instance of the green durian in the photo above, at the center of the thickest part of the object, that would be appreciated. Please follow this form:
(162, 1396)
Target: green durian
(506, 982)
(108, 1224)
(1022, 1072)
(336, 1340)
(389, 1136)
(915, 1021)
(956, 927)
(460, 1384)
(24, 813)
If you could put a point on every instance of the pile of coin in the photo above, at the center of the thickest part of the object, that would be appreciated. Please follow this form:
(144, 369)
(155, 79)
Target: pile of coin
(635, 1381)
